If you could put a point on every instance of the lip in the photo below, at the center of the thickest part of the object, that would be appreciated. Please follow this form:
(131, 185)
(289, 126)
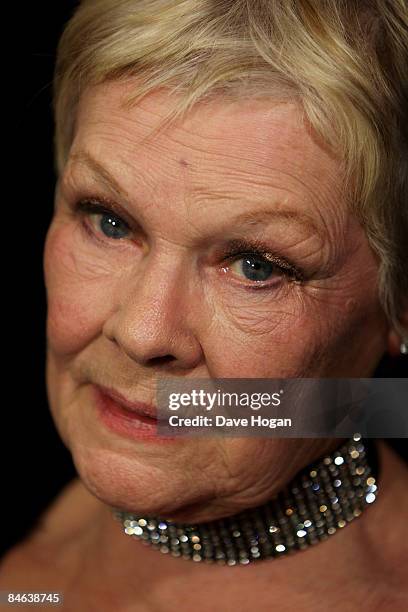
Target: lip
(140, 408)
(135, 420)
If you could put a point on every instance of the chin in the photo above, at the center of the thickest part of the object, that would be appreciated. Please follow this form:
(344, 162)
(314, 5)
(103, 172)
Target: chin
(135, 486)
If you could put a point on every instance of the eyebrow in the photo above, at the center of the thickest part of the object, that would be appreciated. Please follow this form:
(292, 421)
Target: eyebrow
(251, 217)
(99, 170)
(257, 217)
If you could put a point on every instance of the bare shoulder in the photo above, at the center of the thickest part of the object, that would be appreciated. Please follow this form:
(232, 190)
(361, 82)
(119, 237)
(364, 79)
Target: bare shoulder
(54, 543)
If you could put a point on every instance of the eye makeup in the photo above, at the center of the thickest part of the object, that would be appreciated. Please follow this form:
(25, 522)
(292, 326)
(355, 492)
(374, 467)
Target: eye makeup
(241, 248)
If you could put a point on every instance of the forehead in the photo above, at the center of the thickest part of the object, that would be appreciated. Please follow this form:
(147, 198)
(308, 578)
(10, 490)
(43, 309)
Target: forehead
(260, 136)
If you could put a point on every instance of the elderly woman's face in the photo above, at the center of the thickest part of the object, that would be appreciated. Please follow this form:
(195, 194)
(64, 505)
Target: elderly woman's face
(171, 284)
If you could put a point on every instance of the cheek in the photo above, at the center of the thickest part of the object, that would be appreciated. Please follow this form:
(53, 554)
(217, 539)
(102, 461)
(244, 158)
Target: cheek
(263, 337)
(297, 334)
(78, 287)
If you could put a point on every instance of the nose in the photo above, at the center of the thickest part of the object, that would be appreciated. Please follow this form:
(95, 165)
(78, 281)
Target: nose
(153, 319)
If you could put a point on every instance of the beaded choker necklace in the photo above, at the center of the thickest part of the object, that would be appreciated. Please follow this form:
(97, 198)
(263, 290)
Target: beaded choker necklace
(322, 499)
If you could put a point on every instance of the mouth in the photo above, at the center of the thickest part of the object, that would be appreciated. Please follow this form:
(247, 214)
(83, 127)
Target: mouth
(128, 418)
(132, 407)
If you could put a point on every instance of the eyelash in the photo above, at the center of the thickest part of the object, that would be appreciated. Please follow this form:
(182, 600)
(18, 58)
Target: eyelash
(237, 249)
(242, 248)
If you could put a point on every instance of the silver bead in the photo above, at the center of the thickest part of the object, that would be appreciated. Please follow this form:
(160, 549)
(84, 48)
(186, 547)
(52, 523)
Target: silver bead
(318, 502)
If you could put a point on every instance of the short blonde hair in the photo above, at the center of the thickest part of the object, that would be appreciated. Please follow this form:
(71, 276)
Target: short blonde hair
(345, 61)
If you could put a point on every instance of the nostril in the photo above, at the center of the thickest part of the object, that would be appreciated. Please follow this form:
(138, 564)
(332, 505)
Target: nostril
(162, 359)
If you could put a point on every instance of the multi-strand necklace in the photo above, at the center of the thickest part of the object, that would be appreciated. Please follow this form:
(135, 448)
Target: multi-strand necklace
(321, 500)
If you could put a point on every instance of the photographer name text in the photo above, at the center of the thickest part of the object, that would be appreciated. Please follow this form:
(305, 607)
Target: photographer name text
(222, 421)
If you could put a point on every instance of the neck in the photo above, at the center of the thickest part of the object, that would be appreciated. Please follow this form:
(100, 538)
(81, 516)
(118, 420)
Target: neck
(127, 565)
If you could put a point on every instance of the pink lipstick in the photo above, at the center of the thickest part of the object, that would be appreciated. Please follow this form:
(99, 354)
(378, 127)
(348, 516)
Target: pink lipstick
(136, 420)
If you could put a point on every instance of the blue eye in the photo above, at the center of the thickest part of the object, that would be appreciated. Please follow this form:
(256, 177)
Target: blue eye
(253, 261)
(112, 226)
(255, 268)
(103, 220)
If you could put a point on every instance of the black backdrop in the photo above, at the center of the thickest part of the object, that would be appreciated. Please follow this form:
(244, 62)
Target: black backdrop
(35, 464)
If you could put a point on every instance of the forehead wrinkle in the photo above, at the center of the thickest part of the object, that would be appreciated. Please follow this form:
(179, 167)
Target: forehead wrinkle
(249, 218)
(214, 116)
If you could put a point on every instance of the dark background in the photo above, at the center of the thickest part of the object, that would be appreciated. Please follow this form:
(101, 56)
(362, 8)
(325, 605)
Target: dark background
(35, 464)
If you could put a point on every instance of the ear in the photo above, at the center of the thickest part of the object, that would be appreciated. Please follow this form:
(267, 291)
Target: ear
(395, 339)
